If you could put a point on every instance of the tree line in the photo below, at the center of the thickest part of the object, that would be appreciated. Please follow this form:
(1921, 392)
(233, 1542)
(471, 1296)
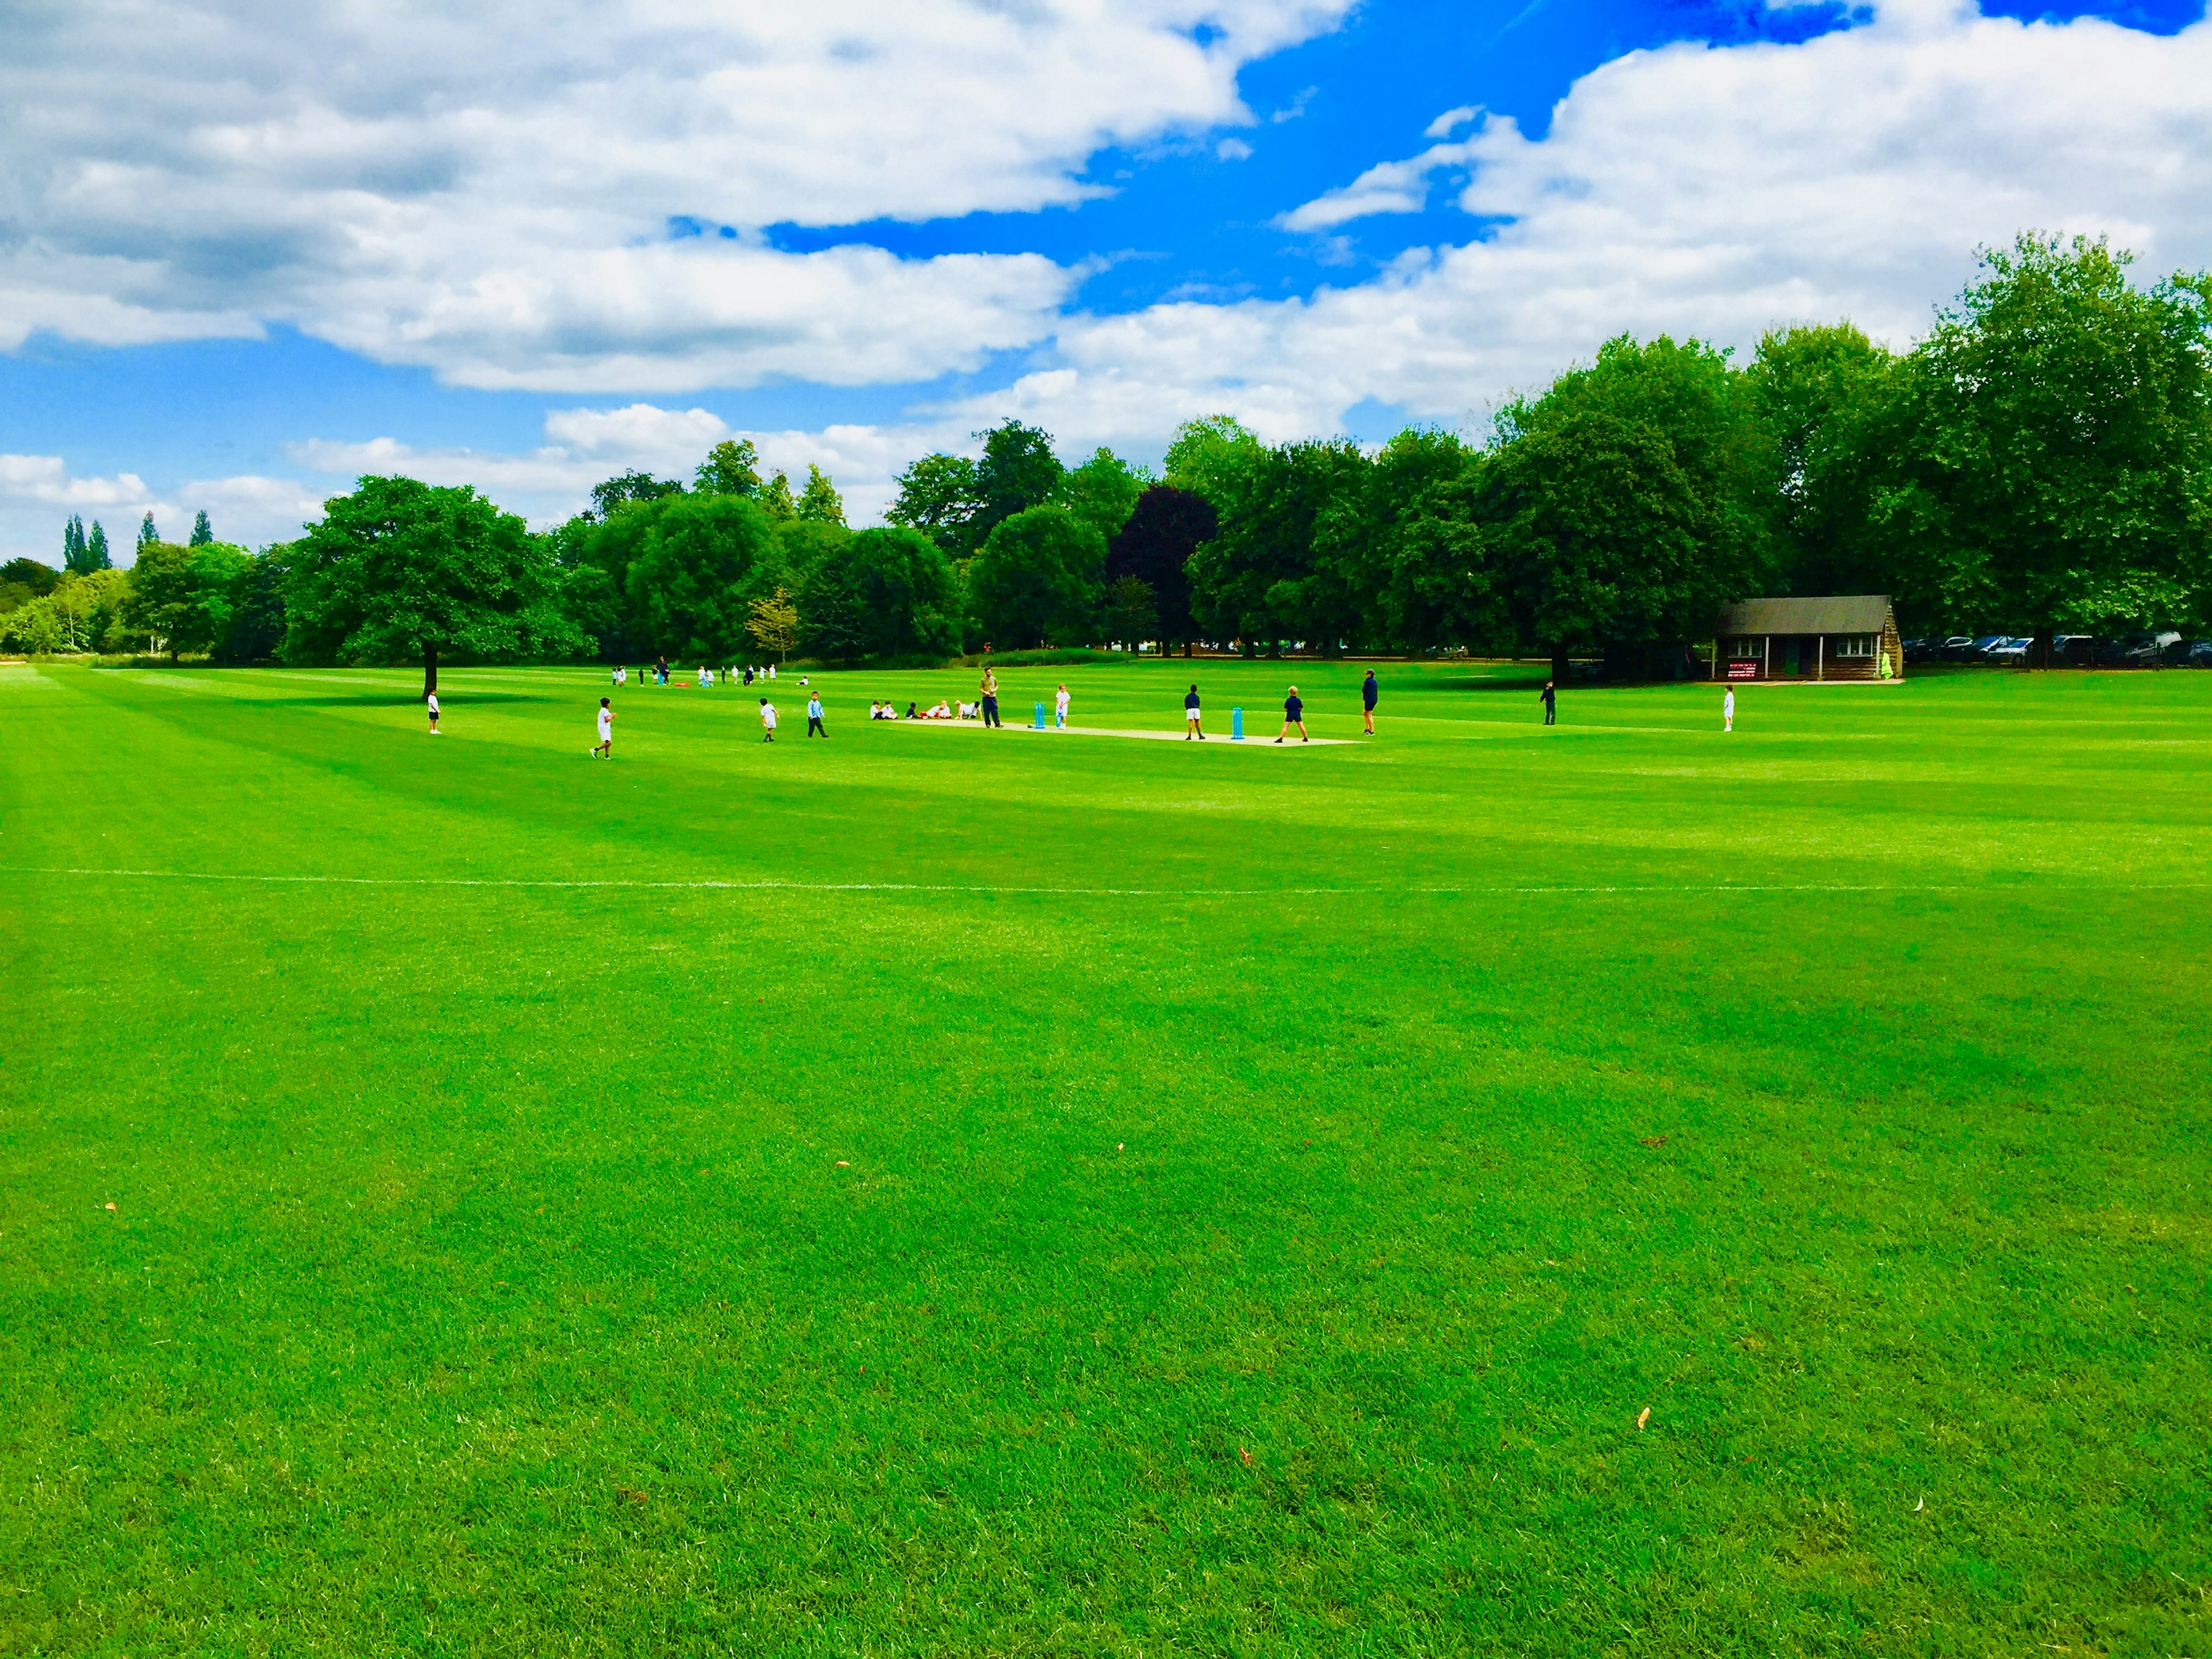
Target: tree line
(2040, 461)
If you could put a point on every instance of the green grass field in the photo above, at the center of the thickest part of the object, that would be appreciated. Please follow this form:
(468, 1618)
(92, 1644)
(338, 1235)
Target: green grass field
(945, 1192)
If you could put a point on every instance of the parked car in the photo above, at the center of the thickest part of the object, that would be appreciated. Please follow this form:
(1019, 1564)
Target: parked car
(2200, 653)
(2012, 653)
(1979, 648)
(1958, 648)
(2073, 650)
(2178, 654)
(2135, 651)
(1929, 650)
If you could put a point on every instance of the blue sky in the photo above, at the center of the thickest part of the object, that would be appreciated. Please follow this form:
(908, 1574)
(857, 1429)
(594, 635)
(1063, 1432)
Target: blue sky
(1107, 221)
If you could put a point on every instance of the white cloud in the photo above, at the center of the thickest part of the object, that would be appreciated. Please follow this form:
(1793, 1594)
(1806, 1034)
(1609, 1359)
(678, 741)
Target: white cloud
(38, 492)
(1444, 125)
(1693, 189)
(571, 195)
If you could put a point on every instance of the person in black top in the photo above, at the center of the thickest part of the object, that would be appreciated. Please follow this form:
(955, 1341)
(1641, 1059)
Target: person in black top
(1369, 692)
(1294, 714)
(1190, 717)
(1550, 704)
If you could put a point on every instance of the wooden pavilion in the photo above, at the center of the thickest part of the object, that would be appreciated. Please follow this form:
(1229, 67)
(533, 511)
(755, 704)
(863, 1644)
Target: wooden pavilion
(1851, 637)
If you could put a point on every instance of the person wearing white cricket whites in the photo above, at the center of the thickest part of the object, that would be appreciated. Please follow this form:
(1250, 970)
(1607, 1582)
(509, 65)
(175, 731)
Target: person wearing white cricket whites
(606, 749)
(430, 699)
(1727, 710)
(1059, 706)
(767, 720)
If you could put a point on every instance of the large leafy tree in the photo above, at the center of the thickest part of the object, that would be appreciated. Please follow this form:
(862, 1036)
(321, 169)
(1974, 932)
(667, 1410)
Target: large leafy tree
(39, 579)
(1103, 491)
(1154, 545)
(2058, 469)
(938, 495)
(1597, 535)
(1832, 400)
(884, 593)
(161, 602)
(610, 496)
(703, 561)
(257, 618)
(1039, 578)
(1417, 541)
(1215, 457)
(731, 468)
(402, 570)
(1018, 471)
(820, 502)
(1261, 578)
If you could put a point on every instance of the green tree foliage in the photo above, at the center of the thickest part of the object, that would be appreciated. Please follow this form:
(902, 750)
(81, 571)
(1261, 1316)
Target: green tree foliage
(775, 499)
(807, 541)
(940, 496)
(609, 497)
(1131, 615)
(1164, 529)
(402, 570)
(258, 618)
(1596, 534)
(80, 612)
(1412, 543)
(203, 532)
(161, 602)
(1267, 576)
(773, 624)
(703, 561)
(76, 552)
(887, 592)
(1833, 401)
(1214, 457)
(1103, 491)
(39, 579)
(146, 534)
(96, 555)
(1018, 471)
(2056, 468)
(1037, 580)
(820, 503)
(731, 468)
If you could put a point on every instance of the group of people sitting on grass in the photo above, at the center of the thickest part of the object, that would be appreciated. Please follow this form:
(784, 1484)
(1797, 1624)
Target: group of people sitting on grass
(940, 710)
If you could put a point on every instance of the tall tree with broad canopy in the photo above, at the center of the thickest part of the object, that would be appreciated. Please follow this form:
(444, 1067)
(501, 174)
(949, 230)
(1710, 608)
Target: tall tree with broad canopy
(1215, 457)
(611, 495)
(160, 601)
(1018, 471)
(1833, 401)
(2057, 471)
(939, 496)
(1260, 580)
(1164, 529)
(691, 584)
(731, 468)
(402, 570)
(1597, 535)
(1103, 491)
(1038, 580)
(1412, 539)
(883, 592)
(820, 502)
(258, 621)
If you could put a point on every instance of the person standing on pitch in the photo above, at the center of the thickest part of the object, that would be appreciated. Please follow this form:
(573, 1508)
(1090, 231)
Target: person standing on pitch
(1369, 694)
(1727, 710)
(990, 688)
(1060, 705)
(430, 699)
(1190, 716)
(606, 749)
(1550, 703)
(767, 720)
(1294, 714)
(814, 727)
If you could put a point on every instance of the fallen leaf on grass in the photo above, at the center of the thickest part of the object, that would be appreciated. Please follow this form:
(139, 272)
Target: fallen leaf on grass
(110, 1203)
(634, 1496)
(1642, 1418)
(1246, 1455)
(1655, 1140)
(1921, 1505)
(844, 1164)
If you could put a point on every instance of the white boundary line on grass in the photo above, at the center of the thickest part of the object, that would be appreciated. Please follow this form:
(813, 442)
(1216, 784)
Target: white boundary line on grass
(774, 886)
